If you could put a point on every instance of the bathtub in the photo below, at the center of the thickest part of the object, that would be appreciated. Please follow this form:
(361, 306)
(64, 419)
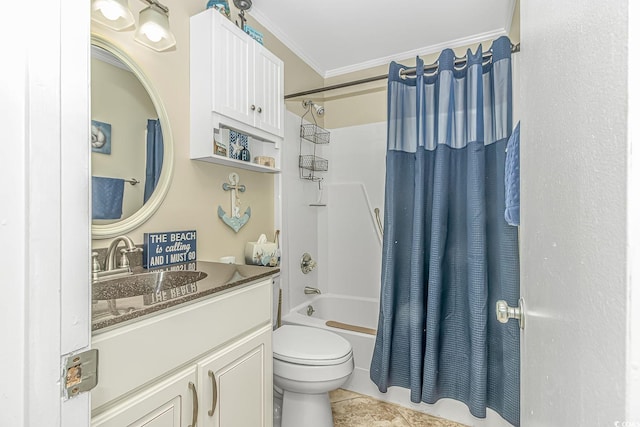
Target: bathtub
(347, 310)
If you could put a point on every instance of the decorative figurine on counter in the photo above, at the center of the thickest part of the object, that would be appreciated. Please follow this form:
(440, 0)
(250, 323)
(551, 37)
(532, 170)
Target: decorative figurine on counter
(235, 220)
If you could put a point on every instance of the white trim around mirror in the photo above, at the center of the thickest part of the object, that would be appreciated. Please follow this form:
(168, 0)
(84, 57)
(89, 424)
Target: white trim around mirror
(149, 208)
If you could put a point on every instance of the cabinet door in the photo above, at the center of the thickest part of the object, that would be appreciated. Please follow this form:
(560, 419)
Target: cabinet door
(236, 384)
(269, 91)
(232, 72)
(170, 403)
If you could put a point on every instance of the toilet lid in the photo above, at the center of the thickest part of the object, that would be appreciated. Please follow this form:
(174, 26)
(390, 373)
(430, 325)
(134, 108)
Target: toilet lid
(305, 345)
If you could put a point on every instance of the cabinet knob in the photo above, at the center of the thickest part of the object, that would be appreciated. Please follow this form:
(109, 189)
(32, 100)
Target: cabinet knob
(253, 107)
(259, 109)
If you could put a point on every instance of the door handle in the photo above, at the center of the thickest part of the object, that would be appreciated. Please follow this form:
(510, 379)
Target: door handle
(259, 109)
(214, 398)
(194, 416)
(504, 312)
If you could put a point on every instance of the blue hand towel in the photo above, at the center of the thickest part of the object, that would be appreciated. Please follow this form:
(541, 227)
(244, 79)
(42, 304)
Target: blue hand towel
(512, 179)
(106, 197)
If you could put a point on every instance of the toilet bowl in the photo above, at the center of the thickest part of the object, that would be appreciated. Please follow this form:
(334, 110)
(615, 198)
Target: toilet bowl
(307, 364)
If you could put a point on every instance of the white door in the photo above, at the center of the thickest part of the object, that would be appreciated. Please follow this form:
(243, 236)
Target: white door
(171, 403)
(574, 153)
(232, 71)
(269, 91)
(44, 209)
(236, 384)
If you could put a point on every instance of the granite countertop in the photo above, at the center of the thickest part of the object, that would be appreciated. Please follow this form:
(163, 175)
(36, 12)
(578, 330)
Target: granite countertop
(219, 277)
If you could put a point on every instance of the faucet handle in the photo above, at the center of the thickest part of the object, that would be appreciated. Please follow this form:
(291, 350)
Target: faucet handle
(124, 260)
(95, 264)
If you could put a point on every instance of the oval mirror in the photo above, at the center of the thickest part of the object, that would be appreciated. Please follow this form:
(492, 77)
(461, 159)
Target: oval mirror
(131, 143)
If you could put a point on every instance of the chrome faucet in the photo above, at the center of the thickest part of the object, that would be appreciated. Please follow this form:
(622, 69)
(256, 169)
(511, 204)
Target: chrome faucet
(111, 268)
(308, 290)
(307, 264)
(110, 261)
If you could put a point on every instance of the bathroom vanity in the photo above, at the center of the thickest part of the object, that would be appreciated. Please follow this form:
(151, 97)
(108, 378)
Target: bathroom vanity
(202, 357)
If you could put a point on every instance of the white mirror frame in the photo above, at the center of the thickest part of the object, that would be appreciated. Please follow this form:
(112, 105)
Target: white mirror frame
(148, 209)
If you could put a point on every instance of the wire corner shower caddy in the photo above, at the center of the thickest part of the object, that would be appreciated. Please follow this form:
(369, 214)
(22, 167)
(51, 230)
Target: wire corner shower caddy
(311, 163)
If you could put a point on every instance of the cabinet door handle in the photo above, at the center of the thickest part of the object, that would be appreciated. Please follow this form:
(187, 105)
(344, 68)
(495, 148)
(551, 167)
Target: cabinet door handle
(259, 109)
(214, 399)
(194, 417)
(253, 107)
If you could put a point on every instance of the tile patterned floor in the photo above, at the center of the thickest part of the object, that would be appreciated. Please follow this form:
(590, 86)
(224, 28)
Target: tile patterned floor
(356, 410)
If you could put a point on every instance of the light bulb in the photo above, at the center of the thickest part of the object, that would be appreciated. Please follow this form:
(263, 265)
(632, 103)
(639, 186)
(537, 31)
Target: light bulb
(114, 14)
(111, 11)
(153, 32)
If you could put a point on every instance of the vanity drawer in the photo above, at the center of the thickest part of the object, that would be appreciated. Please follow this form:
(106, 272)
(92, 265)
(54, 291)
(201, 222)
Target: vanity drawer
(139, 353)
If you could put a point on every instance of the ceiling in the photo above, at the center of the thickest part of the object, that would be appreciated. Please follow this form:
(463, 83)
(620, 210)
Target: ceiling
(335, 37)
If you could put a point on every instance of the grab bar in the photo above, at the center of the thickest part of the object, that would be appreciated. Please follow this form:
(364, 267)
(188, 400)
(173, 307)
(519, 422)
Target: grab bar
(376, 211)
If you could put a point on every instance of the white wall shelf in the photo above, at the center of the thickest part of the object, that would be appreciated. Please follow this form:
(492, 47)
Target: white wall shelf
(226, 161)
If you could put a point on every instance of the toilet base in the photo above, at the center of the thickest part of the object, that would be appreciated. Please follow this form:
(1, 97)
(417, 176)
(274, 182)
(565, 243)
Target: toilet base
(308, 410)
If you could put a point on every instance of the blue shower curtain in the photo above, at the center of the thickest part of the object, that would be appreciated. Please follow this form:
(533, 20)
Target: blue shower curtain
(155, 153)
(448, 254)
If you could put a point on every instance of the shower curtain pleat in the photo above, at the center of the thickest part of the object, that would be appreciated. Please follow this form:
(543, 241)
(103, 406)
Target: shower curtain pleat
(448, 254)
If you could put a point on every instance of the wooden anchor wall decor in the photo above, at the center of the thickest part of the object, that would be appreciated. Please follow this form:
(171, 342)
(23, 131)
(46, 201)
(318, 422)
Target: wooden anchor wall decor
(234, 220)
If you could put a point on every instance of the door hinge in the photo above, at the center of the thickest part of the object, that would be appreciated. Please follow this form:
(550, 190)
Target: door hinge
(79, 373)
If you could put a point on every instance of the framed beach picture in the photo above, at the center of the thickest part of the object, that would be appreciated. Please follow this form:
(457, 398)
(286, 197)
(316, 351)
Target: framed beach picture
(100, 137)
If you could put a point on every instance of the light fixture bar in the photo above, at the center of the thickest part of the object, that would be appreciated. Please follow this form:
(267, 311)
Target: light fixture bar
(164, 8)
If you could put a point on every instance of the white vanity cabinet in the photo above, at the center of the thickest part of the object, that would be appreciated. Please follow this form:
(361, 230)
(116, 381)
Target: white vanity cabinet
(235, 83)
(155, 372)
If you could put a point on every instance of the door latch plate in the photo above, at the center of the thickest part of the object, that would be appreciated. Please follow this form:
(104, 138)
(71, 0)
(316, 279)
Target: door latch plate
(80, 373)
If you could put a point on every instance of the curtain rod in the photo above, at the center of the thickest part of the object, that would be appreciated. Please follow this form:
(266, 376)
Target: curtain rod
(432, 67)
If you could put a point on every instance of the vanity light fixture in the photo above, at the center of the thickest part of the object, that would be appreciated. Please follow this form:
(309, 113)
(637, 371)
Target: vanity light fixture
(153, 27)
(114, 14)
(153, 23)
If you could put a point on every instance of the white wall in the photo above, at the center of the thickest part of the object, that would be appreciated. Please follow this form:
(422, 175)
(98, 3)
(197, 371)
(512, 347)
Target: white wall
(574, 174)
(351, 249)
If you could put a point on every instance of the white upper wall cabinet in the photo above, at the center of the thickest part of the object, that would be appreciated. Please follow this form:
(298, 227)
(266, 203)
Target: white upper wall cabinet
(235, 83)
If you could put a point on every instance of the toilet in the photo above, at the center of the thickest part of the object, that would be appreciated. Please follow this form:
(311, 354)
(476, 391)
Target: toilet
(307, 364)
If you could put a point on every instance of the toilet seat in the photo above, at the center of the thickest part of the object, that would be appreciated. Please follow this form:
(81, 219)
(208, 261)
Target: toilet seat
(304, 345)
